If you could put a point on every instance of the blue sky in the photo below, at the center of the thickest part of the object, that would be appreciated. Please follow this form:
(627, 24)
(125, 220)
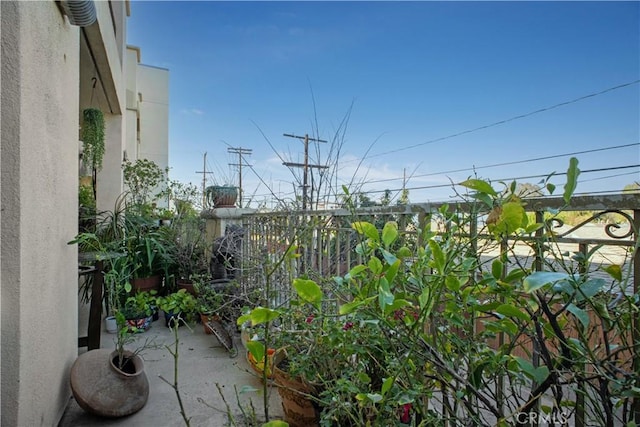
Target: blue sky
(411, 78)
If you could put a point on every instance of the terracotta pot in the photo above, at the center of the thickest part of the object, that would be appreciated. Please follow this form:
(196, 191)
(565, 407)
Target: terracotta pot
(258, 366)
(204, 318)
(140, 284)
(102, 389)
(188, 286)
(299, 410)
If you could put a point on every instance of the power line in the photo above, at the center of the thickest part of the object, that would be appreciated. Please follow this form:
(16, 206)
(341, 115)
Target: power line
(204, 173)
(501, 122)
(426, 187)
(512, 163)
(240, 152)
(306, 166)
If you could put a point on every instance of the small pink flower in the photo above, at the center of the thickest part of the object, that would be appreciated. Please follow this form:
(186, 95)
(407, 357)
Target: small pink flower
(347, 326)
(309, 318)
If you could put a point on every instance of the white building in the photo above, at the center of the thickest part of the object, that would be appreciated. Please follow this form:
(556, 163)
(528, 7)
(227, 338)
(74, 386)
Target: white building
(52, 70)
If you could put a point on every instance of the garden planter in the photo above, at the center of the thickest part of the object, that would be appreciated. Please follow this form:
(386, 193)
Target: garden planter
(102, 389)
(258, 366)
(204, 318)
(222, 196)
(187, 285)
(172, 319)
(139, 325)
(111, 324)
(299, 410)
(150, 283)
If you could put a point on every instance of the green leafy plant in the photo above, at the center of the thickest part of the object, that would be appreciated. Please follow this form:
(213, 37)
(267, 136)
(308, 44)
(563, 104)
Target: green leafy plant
(165, 214)
(145, 181)
(179, 302)
(430, 330)
(210, 300)
(139, 305)
(93, 138)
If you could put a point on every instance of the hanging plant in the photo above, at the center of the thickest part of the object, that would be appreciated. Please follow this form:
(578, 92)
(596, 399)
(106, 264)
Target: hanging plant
(93, 137)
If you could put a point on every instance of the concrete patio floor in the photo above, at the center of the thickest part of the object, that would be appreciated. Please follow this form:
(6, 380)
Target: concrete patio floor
(202, 363)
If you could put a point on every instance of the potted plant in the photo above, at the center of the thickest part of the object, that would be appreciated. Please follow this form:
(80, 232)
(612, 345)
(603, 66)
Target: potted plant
(138, 310)
(222, 196)
(165, 216)
(209, 300)
(149, 252)
(186, 249)
(178, 306)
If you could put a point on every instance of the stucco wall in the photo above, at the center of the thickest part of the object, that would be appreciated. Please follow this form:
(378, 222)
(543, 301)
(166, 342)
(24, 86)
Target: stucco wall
(39, 197)
(153, 84)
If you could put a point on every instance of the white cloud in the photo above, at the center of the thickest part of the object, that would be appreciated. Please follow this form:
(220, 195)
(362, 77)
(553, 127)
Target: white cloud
(193, 111)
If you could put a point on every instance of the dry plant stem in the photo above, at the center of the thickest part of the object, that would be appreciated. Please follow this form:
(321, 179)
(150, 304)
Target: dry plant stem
(174, 354)
(230, 418)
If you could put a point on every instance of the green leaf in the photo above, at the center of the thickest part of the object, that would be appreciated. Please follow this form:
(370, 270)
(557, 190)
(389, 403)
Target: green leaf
(260, 315)
(392, 271)
(551, 188)
(355, 271)
(396, 305)
(256, 348)
(484, 308)
(351, 306)
(496, 269)
(388, 257)
(373, 397)
(424, 299)
(572, 180)
(511, 311)
(308, 291)
(367, 229)
(512, 217)
(386, 385)
(248, 388)
(404, 252)
(276, 423)
(389, 233)
(541, 278)
(485, 198)
(538, 374)
(438, 256)
(580, 314)
(375, 265)
(589, 289)
(385, 297)
(452, 283)
(614, 271)
(514, 276)
(243, 318)
(480, 186)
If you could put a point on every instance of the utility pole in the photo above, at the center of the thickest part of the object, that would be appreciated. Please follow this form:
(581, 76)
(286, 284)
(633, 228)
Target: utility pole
(204, 173)
(306, 166)
(240, 152)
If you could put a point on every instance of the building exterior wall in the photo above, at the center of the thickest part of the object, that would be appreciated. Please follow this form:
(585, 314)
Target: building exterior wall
(51, 71)
(147, 88)
(105, 41)
(153, 84)
(38, 193)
